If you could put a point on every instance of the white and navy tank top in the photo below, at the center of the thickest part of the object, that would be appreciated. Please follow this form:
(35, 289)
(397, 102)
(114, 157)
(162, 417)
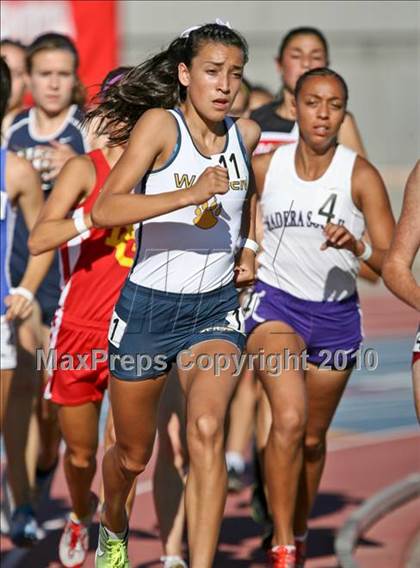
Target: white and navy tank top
(7, 222)
(294, 212)
(191, 250)
(27, 143)
(23, 139)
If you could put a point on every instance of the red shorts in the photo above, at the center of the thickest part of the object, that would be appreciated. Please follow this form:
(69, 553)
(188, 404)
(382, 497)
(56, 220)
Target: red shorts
(78, 364)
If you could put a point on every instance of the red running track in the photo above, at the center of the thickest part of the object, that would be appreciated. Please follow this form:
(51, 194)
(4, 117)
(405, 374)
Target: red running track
(357, 467)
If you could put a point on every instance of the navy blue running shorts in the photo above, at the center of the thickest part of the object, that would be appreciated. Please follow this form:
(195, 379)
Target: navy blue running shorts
(150, 328)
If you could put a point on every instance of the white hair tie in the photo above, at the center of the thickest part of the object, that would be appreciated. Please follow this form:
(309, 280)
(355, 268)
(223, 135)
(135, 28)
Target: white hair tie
(186, 33)
(222, 23)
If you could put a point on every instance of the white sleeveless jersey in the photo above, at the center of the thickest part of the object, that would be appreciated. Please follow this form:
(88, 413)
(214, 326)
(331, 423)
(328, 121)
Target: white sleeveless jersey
(294, 212)
(191, 250)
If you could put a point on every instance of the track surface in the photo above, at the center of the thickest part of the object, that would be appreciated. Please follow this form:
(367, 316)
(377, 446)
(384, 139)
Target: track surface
(374, 442)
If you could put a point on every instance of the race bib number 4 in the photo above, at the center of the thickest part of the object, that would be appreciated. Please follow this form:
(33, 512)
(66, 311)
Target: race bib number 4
(327, 208)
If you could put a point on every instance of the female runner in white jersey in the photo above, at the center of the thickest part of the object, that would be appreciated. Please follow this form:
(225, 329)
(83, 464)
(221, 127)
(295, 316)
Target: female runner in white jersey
(316, 196)
(190, 168)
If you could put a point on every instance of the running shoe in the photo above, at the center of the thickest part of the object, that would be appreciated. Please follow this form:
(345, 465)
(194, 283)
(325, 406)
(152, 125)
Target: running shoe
(282, 557)
(173, 562)
(23, 530)
(111, 552)
(74, 542)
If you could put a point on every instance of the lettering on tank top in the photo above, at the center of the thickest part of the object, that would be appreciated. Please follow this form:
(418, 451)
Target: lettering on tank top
(293, 218)
(206, 215)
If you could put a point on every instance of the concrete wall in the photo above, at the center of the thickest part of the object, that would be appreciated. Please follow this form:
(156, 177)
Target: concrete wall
(375, 45)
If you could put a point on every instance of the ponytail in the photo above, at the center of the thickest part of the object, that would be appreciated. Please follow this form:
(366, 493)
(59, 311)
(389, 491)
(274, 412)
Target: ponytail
(154, 83)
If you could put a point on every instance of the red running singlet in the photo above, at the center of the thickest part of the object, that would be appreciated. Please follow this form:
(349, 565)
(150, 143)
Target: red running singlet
(95, 265)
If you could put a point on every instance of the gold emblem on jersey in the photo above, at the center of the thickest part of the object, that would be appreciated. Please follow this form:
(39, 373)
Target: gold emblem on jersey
(206, 214)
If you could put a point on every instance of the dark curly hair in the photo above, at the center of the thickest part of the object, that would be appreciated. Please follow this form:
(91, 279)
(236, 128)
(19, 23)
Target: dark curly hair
(154, 83)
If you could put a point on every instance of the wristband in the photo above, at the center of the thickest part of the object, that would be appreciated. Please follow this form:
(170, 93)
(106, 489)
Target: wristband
(22, 292)
(250, 244)
(80, 224)
(367, 253)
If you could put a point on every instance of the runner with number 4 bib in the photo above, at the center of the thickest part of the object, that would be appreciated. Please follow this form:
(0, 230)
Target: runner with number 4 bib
(316, 196)
(94, 263)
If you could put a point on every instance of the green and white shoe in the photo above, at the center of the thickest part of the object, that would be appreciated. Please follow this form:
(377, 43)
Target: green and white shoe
(111, 552)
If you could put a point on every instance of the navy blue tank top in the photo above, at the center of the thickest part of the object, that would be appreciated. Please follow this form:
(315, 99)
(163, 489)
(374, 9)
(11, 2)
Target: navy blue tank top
(24, 140)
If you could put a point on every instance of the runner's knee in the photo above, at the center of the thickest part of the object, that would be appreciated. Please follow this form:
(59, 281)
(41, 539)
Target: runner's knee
(206, 431)
(132, 460)
(314, 447)
(288, 426)
(80, 456)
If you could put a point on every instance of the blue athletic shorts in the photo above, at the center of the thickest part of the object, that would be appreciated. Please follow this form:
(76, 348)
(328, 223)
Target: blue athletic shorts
(331, 330)
(149, 328)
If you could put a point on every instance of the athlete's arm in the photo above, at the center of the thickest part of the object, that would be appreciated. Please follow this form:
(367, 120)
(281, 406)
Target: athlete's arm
(150, 145)
(260, 164)
(245, 263)
(251, 133)
(52, 228)
(349, 135)
(370, 196)
(24, 189)
(397, 273)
